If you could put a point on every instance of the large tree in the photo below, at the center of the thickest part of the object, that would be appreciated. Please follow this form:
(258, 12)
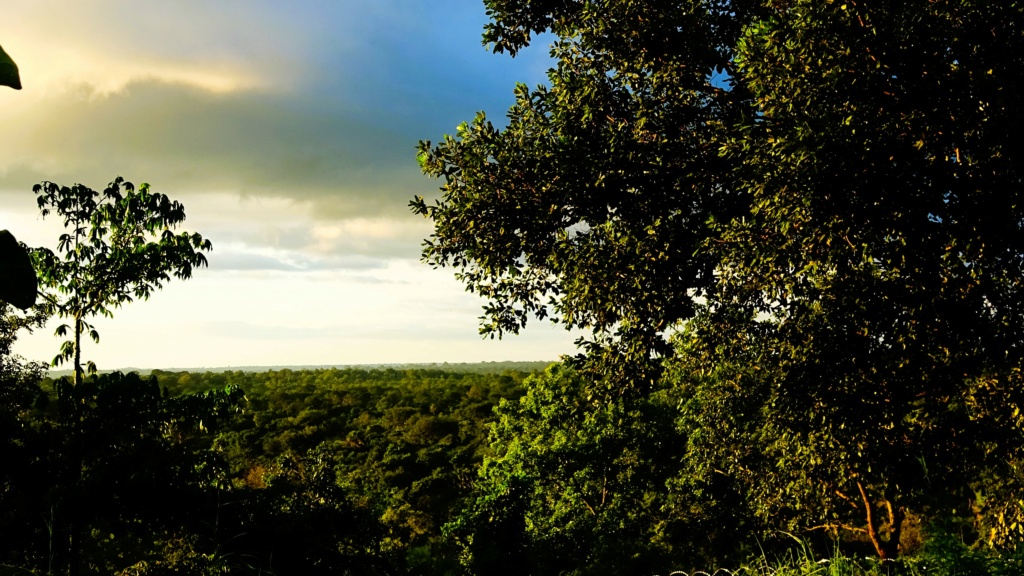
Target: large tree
(578, 486)
(594, 203)
(877, 276)
(827, 192)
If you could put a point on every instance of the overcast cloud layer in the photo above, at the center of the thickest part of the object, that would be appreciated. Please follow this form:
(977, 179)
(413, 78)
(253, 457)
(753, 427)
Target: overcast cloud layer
(288, 130)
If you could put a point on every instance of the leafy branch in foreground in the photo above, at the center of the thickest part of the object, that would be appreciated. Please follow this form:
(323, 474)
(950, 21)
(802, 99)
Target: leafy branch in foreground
(9, 71)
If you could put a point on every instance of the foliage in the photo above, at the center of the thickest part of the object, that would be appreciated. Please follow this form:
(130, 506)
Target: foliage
(593, 203)
(579, 484)
(113, 462)
(875, 278)
(9, 71)
(944, 555)
(820, 198)
(119, 246)
(379, 472)
(18, 284)
(794, 233)
(348, 469)
(19, 393)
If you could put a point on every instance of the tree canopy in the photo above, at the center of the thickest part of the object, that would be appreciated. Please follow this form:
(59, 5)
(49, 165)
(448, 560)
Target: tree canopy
(812, 208)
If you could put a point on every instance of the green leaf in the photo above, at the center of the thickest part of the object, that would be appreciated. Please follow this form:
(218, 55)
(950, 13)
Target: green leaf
(9, 71)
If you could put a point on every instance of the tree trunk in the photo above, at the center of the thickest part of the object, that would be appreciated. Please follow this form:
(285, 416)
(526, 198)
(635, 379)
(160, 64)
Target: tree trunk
(74, 551)
(75, 537)
(896, 515)
(889, 548)
(78, 349)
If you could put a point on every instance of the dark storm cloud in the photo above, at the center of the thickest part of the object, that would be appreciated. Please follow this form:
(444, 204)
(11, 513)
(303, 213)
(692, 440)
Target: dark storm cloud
(250, 142)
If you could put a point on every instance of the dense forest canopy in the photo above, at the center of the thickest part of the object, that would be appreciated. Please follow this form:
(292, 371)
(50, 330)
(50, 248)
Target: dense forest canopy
(340, 471)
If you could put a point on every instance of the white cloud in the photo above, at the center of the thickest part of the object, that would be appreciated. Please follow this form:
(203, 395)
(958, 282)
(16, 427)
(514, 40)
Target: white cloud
(402, 313)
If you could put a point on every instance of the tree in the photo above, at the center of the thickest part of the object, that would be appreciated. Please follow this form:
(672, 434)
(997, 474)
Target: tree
(825, 197)
(19, 393)
(593, 205)
(578, 486)
(121, 471)
(119, 246)
(876, 279)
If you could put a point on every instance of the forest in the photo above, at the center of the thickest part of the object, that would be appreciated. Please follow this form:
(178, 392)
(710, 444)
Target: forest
(310, 472)
(792, 233)
(398, 471)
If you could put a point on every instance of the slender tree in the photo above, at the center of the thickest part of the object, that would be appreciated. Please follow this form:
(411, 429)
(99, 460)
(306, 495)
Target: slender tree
(118, 245)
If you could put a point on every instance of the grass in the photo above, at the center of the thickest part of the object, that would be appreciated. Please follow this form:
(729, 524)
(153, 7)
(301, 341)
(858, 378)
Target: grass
(943, 555)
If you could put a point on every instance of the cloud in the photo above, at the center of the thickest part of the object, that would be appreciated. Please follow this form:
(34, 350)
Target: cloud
(285, 225)
(220, 46)
(235, 258)
(313, 101)
(243, 261)
(247, 330)
(179, 136)
(288, 130)
(254, 233)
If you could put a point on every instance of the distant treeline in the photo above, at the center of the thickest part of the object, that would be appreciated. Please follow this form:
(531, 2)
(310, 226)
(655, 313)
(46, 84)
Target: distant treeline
(490, 367)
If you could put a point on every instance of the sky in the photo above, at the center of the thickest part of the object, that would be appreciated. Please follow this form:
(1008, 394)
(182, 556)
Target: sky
(288, 131)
